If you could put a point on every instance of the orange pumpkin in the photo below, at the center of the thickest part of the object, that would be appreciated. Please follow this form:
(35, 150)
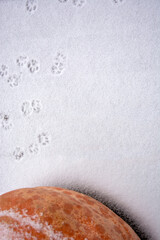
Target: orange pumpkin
(51, 213)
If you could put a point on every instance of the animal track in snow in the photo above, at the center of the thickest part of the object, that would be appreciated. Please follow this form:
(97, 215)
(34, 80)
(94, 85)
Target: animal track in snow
(22, 61)
(33, 148)
(79, 3)
(6, 122)
(36, 105)
(18, 153)
(14, 80)
(3, 71)
(59, 64)
(28, 107)
(31, 6)
(118, 2)
(33, 66)
(44, 138)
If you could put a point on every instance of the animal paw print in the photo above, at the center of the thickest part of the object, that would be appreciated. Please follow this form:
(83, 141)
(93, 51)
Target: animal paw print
(34, 148)
(118, 2)
(18, 153)
(33, 66)
(14, 80)
(31, 6)
(44, 138)
(36, 105)
(22, 61)
(62, 1)
(27, 109)
(79, 3)
(6, 122)
(3, 71)
(59, 64)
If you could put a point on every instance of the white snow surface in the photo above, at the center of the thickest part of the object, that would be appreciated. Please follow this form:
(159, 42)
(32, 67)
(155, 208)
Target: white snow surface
(80, 99)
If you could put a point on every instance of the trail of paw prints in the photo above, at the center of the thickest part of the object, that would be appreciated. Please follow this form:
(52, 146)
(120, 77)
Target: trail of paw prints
(32, 65)
(31, 6)
(118, 2)
(29, 107)
(19, 153)
(12, 79)
(79, 3)
(59, 64)
(43, 139)
(5, 121)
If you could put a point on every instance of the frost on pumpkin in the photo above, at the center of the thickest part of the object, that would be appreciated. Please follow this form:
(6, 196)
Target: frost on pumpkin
(20, 226)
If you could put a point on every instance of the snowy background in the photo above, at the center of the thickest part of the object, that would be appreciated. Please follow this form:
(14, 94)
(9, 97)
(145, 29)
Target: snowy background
(80, 99)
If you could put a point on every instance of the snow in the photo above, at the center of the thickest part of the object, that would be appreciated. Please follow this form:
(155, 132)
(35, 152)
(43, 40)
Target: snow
(93, 67)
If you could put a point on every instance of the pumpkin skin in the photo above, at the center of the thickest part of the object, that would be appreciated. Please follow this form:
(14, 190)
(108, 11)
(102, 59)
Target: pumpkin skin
(51, 213)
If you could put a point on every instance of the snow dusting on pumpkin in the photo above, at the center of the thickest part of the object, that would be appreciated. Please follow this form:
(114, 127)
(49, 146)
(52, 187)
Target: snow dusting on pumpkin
(51, 213)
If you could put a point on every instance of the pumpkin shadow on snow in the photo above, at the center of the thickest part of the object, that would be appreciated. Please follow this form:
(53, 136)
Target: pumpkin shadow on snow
(114, 206)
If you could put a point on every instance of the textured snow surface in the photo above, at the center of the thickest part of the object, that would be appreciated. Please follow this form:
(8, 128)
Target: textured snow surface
(80, 100)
